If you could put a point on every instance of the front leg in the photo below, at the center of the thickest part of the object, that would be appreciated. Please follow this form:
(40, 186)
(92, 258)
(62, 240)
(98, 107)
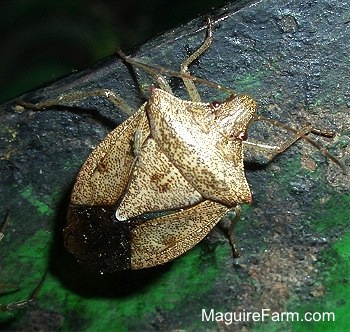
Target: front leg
(190, 86)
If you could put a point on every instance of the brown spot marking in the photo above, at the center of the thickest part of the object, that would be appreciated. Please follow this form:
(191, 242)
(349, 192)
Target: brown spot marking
(171, 241)
(102, 167)
(157, 179)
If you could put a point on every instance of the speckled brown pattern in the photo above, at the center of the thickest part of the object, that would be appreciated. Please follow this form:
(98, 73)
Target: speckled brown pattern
(105, 173)
(156, 184)
(180, 157)
(163, 239)
(203, 143)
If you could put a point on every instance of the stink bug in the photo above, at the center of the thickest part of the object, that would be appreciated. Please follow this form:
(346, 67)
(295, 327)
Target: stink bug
(159, 182)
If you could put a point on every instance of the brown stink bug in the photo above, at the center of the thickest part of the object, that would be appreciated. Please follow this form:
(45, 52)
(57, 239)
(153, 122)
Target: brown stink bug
(159, 182)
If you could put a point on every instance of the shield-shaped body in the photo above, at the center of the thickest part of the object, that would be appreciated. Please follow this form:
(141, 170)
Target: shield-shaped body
(136, 209)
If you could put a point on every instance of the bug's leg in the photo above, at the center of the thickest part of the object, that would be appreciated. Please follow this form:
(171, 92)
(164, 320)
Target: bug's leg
(184, 73)
(137, 144)
(18, 304)
(274, 150)
(163, 83)
(80, 95)
(154, 72)
(23, 303)
(157, 70)
(302, 133)
(4, 225)
(14, 305)
(230, 231)
(190, 86)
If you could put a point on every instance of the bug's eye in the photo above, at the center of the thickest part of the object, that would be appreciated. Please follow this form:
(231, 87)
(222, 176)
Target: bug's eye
(243, 136)
(215, 104)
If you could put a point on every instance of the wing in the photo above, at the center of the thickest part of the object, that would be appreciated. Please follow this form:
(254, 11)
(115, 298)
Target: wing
(160, 240)
(105, 174)
(101, 242)
(155, 184)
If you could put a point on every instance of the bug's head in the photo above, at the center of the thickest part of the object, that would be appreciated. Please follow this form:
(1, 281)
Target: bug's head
(234, 115)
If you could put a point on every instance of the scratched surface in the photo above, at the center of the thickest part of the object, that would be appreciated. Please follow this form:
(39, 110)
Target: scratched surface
(292, 58)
